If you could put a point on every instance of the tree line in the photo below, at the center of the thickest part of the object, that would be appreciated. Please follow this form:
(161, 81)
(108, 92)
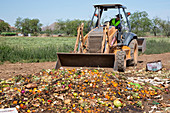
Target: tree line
(27, 25)
(141, 24)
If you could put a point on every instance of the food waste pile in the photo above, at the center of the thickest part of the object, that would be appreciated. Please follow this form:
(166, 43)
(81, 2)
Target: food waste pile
(87, 90)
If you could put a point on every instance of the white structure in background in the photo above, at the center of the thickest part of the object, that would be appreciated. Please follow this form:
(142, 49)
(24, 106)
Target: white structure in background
(29, 35)
(19, 34)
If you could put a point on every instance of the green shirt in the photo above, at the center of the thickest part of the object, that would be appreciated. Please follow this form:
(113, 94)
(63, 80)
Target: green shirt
(115, 22)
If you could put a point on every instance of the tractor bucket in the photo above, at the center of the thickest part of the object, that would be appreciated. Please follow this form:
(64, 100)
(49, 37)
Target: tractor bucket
(85, 60)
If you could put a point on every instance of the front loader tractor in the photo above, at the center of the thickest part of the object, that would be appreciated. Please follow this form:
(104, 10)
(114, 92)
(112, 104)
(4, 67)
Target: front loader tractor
(104, 45)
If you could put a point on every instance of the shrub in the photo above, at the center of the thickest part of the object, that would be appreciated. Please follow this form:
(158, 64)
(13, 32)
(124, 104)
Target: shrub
(8, 33)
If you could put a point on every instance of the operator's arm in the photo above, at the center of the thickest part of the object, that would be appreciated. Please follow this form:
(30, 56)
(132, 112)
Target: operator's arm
(110, 21)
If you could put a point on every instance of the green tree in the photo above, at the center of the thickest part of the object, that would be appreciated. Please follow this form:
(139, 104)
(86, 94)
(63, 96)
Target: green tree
(155, 25)
(25, 26)
(4, 26)
(35, 26)
(60, 26)
(48, 31)
(140, 23)
(28, 25)
(69, 27)
(165, 27)
(18, 24)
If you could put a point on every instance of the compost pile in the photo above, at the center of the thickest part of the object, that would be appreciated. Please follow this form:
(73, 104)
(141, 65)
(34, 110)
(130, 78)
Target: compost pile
(87, 90)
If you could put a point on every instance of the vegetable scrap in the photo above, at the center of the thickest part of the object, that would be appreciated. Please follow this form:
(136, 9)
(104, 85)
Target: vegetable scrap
(86, 90)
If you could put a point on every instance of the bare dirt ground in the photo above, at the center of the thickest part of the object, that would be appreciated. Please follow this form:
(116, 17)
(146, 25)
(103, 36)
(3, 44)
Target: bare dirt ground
(8, 70)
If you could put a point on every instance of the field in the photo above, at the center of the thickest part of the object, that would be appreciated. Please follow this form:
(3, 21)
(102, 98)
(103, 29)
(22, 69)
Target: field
(41, 49)
(37, 87)
(157, 45)
(33, 49)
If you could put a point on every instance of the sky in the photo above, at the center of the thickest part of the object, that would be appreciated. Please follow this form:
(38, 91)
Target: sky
(48, 11)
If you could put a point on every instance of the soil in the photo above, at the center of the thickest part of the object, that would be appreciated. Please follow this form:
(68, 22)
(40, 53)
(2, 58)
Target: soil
(8, 70)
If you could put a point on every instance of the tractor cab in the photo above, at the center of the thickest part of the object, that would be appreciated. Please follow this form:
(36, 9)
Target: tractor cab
(99, 17)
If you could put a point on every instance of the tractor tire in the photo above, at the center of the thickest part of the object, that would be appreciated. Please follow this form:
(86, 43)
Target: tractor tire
(133, 53)
(121, 61)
